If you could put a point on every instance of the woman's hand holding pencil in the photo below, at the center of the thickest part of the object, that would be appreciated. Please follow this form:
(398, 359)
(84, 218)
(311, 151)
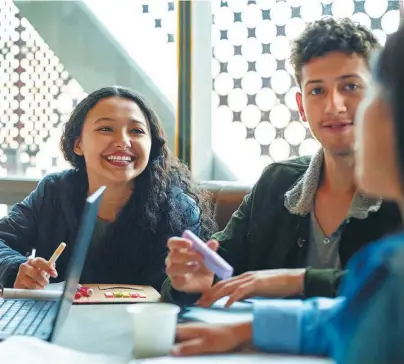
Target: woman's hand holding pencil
(35, 272)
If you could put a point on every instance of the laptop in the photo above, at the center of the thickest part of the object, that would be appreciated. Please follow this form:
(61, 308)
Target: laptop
(41, 318)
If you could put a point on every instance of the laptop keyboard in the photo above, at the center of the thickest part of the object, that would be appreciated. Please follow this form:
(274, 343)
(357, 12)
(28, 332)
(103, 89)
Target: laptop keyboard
(26, 317)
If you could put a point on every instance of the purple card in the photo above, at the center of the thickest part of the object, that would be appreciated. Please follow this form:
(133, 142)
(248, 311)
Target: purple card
(212, 260)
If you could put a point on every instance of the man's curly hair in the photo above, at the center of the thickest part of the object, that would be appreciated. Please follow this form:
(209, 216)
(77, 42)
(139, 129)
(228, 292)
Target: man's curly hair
(163, 174)
(331, 35)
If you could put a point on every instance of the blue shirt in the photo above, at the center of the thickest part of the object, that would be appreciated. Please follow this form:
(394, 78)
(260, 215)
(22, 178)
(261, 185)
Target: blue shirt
(364, 324)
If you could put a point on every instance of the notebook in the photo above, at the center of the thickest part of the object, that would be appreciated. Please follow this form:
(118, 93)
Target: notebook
(30, 350)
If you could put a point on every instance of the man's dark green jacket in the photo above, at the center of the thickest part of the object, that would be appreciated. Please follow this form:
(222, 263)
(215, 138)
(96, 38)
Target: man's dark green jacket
(263, 234)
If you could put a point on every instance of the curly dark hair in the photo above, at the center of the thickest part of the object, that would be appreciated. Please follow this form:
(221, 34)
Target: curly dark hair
(331, 35)
(163, 174)
(389, 73)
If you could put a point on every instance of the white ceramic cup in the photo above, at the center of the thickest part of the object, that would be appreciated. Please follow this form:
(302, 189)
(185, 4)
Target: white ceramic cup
(153, 328)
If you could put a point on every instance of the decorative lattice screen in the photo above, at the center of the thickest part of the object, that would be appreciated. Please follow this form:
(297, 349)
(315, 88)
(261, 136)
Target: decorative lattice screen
(253, 86)
(37, 93)
(254, 115)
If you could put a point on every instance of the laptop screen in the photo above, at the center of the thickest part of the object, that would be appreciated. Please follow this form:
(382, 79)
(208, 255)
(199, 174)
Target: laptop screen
(78, 257)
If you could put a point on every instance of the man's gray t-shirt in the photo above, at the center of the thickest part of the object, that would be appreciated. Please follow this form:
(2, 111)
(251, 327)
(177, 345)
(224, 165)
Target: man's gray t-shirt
(323, 250)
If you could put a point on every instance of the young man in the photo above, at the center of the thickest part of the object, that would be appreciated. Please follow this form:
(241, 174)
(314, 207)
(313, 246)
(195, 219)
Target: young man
(365, 324)
(304, 218)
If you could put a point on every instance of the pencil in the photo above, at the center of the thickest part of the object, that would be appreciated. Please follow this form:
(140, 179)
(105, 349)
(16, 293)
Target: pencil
(57, 253)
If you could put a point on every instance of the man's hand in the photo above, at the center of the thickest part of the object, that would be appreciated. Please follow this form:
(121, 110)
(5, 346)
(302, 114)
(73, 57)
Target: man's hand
(265, 283)
(185, 267)
(34, 274)
(197, 339)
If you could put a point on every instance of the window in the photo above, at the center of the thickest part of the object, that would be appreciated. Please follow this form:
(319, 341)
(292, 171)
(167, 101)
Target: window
(255, 118)
(40, 84)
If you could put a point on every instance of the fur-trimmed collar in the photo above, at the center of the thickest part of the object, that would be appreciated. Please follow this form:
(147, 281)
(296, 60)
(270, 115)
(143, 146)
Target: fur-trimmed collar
(300, 198)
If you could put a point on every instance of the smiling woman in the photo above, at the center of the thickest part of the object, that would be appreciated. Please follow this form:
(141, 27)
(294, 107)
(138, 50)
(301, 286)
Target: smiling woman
(114, 139)
(120, 156)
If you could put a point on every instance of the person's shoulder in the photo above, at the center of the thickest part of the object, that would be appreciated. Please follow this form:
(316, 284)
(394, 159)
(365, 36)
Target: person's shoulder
(56, 178)
(182, 199)
(384, 247)
(186, 208)
(388, 218)
(66, 180)
(377, 253)
(381, 256)
(390, 209)
(177, 191)
(284, 173)
(297, 165)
